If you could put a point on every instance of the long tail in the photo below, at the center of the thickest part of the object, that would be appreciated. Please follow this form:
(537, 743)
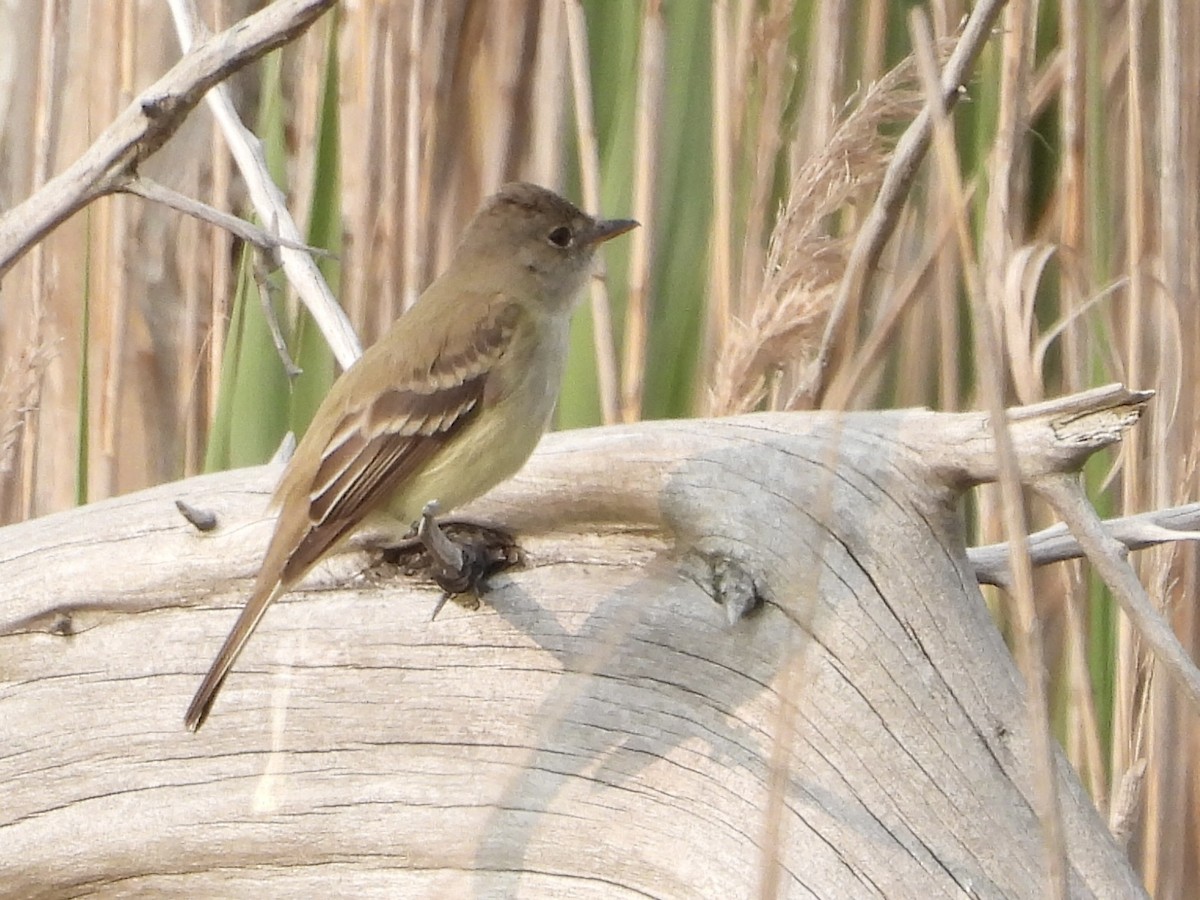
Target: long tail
(265, 592)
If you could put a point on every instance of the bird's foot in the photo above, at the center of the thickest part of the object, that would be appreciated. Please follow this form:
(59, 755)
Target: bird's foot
(459, 556)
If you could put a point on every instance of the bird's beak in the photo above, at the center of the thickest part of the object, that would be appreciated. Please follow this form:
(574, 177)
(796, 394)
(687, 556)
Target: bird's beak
(607, 229)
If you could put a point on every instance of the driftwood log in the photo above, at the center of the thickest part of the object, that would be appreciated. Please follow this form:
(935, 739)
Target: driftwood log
(743, 657)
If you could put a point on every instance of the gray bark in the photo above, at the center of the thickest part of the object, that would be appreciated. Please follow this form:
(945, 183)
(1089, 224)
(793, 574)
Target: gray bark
(598, 728)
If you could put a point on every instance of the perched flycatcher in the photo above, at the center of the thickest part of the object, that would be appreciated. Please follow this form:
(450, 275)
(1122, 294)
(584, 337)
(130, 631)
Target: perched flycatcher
(449, 403)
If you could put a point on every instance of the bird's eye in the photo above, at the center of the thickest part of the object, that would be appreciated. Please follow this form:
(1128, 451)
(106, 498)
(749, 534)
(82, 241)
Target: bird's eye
(561, 237)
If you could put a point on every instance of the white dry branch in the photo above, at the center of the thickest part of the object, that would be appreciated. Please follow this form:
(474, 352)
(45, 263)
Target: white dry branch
(270, 204)
(1056, 544)
(110, 164)
(598, 727)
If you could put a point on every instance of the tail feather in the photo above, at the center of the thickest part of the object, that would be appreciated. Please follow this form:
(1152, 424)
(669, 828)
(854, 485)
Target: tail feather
(265, 593)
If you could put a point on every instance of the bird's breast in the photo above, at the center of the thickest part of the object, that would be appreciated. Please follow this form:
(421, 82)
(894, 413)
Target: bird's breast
(499, 437)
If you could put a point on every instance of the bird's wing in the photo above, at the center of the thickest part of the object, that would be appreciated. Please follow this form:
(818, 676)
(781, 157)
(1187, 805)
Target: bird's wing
(376, 445)
(380, 443)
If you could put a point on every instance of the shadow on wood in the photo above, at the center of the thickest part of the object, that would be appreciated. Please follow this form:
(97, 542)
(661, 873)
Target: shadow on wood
(612, 722)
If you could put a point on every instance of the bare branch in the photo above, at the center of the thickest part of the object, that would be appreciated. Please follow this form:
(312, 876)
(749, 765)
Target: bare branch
(1107, 554)
(1057, 544)
(146, 124)
(271, 206)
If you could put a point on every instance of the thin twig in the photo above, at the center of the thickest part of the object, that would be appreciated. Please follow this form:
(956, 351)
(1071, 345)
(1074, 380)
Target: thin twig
(143, 187)
(266, 291)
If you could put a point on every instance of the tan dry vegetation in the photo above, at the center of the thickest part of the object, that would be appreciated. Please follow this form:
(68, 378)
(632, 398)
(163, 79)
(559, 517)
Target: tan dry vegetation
(1078, 153)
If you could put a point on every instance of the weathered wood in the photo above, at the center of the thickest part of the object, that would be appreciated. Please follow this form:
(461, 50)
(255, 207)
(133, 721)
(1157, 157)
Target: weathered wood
(598, 728)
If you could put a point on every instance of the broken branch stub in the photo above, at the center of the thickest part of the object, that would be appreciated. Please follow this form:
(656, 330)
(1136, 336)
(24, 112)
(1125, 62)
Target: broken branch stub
(598, 720)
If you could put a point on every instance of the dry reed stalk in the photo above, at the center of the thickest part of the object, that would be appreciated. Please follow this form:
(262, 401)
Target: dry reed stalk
(307, 61)
(20, 393)
(732, 47)
(589, 170)
(744, 43)
(895, 355)
(772, 78)
(926, 372)
(917, 354)
(215, 277)
(190, 397)
(112, 284)
(1007, 198)
(1182, 758)
(987, 353)
(1083, 743)
(946, 279)
(1165, 787)
(1173, 73)
(31, 495)
(1131, 666)
(412, 277)
(651, 74)
(804, 261)
(827, 74)
(364, 112)
(391, 272)
(1072, 198)
(720, 255)
(547, 112)
(874, 48)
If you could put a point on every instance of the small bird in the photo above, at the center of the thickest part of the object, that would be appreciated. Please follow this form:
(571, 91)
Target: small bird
(446, 405)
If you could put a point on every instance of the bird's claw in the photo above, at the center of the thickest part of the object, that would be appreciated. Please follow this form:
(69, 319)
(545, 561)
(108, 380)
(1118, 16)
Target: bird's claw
(448, 559)
(460, 567)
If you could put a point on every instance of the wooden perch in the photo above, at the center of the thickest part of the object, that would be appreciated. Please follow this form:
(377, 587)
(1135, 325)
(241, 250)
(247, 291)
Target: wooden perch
(598, 727)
